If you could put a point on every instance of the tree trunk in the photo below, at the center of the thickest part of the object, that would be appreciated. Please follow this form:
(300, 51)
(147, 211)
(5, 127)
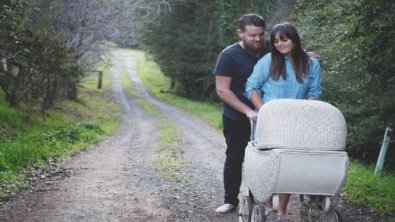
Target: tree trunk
(72, 92)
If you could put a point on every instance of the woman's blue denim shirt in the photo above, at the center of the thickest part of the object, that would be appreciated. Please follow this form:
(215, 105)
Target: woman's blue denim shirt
(290, 88)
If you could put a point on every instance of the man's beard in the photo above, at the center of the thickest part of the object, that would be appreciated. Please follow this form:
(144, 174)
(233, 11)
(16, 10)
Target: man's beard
(253, 47)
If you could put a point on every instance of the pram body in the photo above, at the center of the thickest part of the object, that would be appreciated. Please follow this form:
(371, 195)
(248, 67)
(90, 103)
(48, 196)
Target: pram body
(297, 147)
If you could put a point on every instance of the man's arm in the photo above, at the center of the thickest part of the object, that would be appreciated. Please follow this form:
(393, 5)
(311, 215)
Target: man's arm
(222, 85)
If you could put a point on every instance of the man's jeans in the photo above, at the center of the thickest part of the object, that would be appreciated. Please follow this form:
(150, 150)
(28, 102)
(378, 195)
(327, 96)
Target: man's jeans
(237, 134)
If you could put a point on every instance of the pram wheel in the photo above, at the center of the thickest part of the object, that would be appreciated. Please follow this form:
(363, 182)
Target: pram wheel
(332, 216)
(318, 209)
(258, 214)
(245, 209)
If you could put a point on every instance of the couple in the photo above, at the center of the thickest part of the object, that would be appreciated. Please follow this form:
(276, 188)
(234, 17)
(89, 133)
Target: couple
(247, 75)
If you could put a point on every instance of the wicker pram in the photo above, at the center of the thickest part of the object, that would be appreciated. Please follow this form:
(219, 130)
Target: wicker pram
(297, 147)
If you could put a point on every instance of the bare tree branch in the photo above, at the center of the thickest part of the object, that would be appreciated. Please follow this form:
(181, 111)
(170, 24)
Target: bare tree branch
(87, 25)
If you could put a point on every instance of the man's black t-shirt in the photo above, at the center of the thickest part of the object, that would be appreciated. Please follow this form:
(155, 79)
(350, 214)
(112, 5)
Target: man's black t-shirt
(237, 63)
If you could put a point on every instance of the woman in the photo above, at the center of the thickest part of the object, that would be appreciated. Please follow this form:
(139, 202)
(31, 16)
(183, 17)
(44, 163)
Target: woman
(287, 72)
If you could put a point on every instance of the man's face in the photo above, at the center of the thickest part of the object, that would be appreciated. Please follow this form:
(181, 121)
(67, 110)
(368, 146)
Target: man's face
(253, 38)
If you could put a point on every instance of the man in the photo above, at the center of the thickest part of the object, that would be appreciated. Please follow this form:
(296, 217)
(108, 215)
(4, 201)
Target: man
(234, 65)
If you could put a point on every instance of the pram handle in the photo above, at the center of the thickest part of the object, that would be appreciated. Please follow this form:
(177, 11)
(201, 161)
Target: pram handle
(253, 129)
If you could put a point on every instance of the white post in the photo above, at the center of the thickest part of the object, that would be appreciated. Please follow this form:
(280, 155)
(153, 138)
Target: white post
(383, 150)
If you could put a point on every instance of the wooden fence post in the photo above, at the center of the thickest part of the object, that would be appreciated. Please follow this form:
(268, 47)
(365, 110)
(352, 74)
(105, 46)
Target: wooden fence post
(100, 79)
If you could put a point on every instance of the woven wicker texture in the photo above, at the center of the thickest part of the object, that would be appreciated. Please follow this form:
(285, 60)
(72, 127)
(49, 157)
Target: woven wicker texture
(300, 125)
(293, 171)
(260, 172)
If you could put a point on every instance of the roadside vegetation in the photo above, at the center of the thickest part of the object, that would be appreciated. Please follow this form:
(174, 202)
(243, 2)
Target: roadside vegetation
(159, 86)
(35, 139)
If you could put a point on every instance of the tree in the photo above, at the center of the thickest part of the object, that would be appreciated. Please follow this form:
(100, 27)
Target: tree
(183, 50)
(87, 26)
(185, 41)
(35, 66)
(45, 41)
(356, 44)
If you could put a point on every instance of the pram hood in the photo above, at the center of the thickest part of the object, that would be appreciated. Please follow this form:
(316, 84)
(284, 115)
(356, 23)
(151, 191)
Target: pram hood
(300, 125)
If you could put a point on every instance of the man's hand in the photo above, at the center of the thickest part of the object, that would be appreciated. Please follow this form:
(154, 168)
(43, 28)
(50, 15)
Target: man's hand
(311, 53)
(252, 115)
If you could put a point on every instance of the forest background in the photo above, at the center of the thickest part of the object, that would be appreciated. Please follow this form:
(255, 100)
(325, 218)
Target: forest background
(48, 47)
(354, 40)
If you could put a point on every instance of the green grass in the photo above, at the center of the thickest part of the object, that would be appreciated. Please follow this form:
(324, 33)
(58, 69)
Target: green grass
(377, 192)
(169, 161)
(364, 187)
(29, 138)
(159, 85)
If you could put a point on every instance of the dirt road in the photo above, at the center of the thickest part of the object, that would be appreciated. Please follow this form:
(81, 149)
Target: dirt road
(115, 180)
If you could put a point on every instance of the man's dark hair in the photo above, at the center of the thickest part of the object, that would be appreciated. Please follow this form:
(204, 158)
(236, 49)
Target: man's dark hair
(251, 19)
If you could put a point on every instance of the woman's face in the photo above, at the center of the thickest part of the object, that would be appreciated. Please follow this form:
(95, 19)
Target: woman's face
(283, 44)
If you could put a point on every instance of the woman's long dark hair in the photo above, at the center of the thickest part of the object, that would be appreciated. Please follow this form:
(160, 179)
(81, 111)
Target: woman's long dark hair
(300, 59)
